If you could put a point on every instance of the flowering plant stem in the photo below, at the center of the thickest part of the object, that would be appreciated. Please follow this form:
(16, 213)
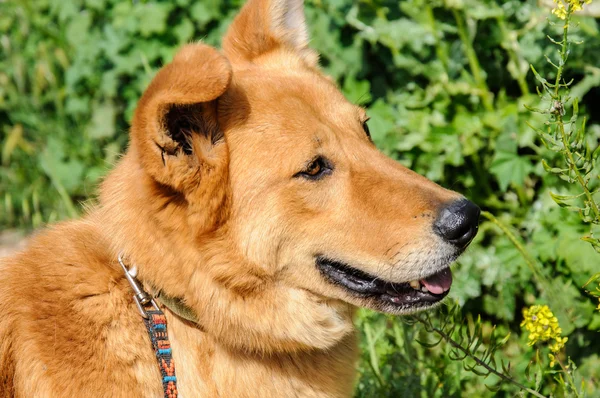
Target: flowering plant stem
(424, 320)
(513, 239)
(569, 377)
(559, 113)
(536, 268)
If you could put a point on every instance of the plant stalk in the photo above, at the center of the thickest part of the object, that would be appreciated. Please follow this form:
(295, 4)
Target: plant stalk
(473, 62)
(514, 57)
(544, 285)
(559, 116)
(479, 362)
(569, 377)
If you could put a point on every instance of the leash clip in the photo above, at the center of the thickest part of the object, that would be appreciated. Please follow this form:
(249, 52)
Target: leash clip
(140, 296)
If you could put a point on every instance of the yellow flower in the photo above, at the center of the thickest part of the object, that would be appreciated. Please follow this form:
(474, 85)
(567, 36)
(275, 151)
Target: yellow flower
(574, 5)
(543, 326)
(552, 360)
(559, 10)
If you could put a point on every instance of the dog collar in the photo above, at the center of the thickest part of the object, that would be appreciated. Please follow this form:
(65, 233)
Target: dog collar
(142, 298)
(176, 306)
(156, 325)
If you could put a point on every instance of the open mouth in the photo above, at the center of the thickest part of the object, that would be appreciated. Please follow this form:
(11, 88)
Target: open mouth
(387, 296)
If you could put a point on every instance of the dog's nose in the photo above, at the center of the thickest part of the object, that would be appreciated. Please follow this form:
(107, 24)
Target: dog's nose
(458, 222)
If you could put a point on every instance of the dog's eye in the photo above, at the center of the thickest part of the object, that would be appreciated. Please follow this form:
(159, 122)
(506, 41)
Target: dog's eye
(366, 128)
(316, 169)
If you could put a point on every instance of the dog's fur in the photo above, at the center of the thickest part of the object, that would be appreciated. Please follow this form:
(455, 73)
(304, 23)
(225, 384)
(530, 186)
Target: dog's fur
(209, 205)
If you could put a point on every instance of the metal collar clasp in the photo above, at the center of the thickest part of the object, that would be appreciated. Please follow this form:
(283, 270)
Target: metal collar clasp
(140, 296)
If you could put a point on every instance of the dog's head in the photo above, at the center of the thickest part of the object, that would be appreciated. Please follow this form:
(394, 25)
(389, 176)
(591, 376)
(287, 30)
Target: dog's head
(254, 152)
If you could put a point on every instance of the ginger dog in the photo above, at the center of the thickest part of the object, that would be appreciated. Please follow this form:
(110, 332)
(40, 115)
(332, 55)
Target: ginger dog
(252, 193)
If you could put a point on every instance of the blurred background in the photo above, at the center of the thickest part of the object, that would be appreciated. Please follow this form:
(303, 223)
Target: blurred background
(445, 84)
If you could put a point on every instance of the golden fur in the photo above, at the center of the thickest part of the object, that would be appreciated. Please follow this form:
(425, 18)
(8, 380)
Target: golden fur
(206, 203)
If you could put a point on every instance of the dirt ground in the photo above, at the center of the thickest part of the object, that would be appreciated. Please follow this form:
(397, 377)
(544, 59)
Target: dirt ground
(11, 241)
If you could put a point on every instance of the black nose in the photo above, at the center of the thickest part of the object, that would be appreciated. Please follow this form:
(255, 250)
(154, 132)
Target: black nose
(458, 222)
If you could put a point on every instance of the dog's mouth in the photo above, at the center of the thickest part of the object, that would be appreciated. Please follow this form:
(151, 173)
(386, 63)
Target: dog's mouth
(383, 295)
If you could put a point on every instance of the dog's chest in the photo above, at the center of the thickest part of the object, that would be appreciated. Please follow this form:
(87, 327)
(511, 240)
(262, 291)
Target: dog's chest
(206, 369)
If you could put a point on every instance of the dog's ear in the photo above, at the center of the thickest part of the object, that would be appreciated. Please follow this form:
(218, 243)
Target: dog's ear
(175, 132)
(269, 25)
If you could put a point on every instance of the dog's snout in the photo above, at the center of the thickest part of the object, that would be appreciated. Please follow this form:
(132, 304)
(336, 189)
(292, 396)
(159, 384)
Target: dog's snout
(458, 222)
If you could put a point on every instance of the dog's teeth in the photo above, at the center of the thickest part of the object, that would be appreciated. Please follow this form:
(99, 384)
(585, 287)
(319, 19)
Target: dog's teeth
(415, 285)
(424, 289)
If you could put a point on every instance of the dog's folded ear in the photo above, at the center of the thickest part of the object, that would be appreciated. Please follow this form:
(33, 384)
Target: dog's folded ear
(269, 25)
(175, 132)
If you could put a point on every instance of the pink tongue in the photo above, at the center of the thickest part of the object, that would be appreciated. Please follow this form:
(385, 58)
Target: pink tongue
(438, 283)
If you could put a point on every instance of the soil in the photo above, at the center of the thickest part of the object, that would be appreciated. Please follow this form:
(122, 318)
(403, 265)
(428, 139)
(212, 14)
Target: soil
(11, 241)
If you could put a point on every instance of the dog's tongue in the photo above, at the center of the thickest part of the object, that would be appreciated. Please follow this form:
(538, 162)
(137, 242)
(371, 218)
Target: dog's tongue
(438, 283)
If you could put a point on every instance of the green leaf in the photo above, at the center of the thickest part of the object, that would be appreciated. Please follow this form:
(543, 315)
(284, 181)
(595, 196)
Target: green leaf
(578, 255)
(554, 170)
(357, 92)
(78, 28)
(184, 31)
(484, 11)
(381, 123)
(66, 173)
(204, 11)
(510, 168)
(538, 76)
(103, 121)
(561, 200)
(152, 18)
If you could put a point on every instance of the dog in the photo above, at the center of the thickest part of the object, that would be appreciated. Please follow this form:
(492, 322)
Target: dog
(252, 197)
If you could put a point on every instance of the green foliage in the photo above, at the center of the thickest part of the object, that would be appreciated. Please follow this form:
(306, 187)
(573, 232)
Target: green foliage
(445, 82)
(567, 137)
